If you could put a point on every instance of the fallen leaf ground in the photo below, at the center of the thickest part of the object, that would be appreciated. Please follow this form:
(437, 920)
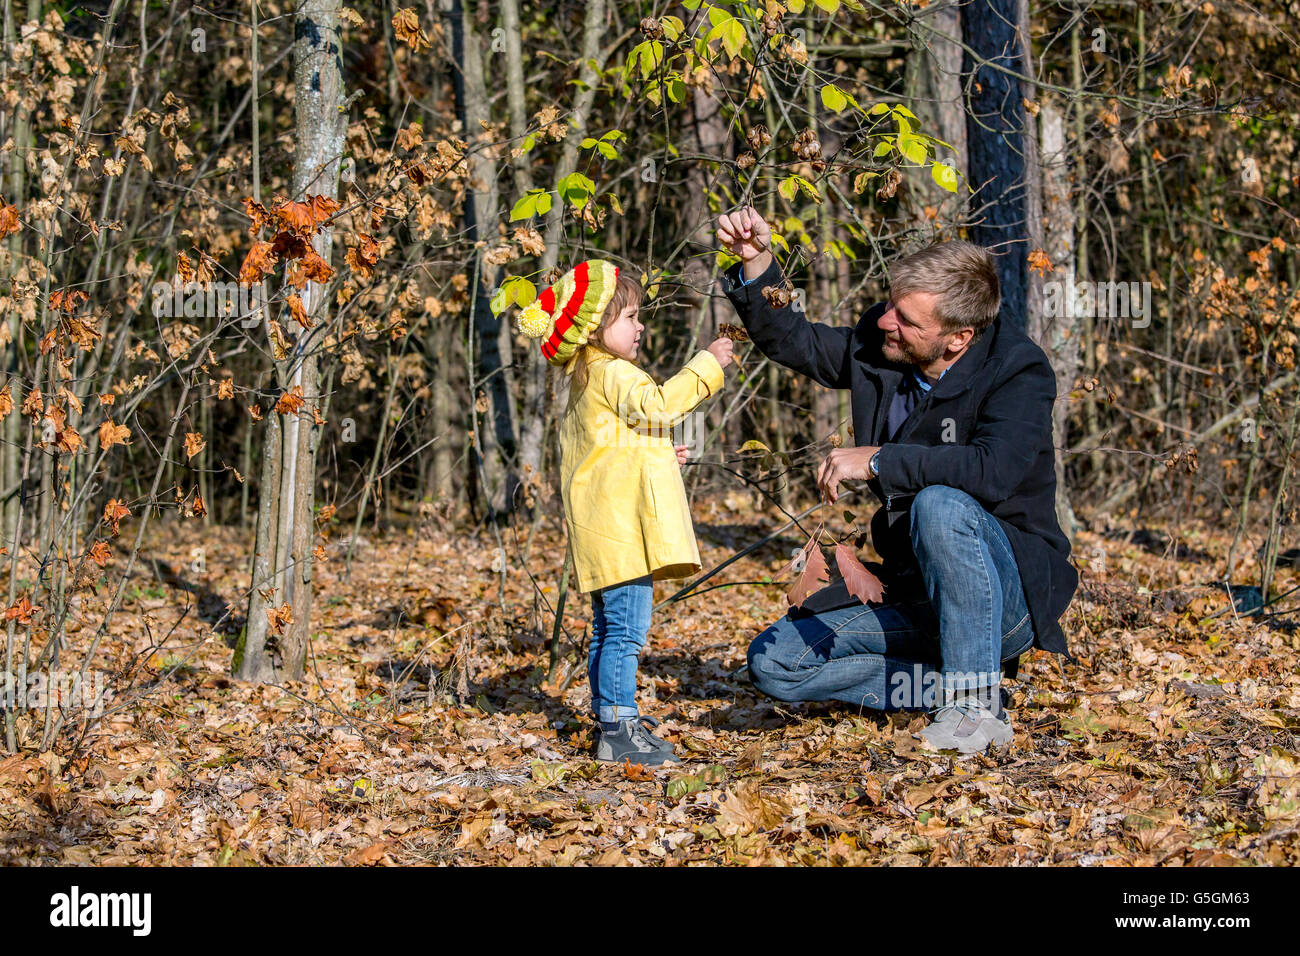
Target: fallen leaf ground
(427, 732)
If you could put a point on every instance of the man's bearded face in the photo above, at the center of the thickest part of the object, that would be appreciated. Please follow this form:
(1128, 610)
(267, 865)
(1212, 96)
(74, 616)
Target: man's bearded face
(912, 333)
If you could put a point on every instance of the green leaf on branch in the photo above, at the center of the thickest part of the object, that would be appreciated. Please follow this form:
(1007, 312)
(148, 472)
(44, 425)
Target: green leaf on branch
(575, 189)
(727, 29)
(833, 98)
(515, 290)
(945, 176)
(913, 147)
(602, 147)
(792, 184)
(861, 179)
(532, 203)
(646, 57)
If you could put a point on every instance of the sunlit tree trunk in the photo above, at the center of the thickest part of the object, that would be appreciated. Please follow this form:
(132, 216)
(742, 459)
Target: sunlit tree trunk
(492, 345)
(282, 562)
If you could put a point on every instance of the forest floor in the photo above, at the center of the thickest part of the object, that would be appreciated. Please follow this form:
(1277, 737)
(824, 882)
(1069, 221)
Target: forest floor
(1173, 739)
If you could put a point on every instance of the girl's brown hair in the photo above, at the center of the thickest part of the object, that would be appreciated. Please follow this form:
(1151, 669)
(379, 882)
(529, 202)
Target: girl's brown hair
(627, 292)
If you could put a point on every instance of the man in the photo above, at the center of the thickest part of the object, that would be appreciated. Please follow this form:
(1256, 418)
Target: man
(952, 419)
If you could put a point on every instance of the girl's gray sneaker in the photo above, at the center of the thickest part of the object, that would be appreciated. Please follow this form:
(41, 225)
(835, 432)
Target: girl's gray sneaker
(634, 743)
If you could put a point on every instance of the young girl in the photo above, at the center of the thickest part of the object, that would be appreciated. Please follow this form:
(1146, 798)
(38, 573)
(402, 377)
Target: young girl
(624, 500)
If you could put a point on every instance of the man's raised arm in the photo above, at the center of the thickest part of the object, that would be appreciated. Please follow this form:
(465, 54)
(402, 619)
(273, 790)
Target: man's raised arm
(782, 333)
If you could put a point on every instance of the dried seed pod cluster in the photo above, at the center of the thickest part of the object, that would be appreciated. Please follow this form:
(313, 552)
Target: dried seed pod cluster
(806, 147)
(777, 295)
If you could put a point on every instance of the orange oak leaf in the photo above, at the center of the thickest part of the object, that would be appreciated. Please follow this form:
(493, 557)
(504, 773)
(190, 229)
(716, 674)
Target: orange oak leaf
(257, 213)
(100, 553)
(279, 617)
(114, 512)
(290, 401)
(862, 584)
(637, 771)
(111, 434)
(298, 311)
(6, 401)
(34, 404)
(305, 217)
(310, 268)
(68, 440)
(258, 264)
(21, 611)
(8, 220)
(815, 573)
(289, 245)
(1038, 262)
(406, 27)
(194, 443)
(184, 268)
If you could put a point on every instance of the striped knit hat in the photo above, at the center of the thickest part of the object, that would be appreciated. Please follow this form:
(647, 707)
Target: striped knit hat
(566, 312)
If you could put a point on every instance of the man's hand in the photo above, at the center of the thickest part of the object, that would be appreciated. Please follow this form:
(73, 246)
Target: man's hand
(681, 454)
(745, 233)
(844, 464)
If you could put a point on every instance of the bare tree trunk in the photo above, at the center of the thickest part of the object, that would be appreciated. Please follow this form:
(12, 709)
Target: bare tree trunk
(1057, 330)
(532, 418)
(282, 561)
(933, 84)
(492, 373)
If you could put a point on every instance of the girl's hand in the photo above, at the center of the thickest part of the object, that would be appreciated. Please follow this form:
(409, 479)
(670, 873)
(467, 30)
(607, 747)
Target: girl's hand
(721, 350)
(681, 454)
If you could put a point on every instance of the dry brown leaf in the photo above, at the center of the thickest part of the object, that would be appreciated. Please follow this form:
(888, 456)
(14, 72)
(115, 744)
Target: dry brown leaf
(862, 584)
(194, 443)
(111, 434)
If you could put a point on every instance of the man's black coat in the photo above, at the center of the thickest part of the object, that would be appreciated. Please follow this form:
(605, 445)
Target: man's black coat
(994, 407)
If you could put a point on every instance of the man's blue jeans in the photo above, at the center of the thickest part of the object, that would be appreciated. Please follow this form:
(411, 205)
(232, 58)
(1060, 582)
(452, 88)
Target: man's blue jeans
(918, 655)
(620, 622)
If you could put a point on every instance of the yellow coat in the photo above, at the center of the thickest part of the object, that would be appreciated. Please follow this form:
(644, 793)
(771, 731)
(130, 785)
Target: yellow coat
(624, 500)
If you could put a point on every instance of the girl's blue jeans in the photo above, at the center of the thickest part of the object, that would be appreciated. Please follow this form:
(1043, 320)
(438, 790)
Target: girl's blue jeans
(620, 623)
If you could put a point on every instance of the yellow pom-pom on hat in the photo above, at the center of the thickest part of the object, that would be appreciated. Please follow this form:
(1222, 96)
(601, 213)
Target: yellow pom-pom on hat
(534, 321)
(567, 311)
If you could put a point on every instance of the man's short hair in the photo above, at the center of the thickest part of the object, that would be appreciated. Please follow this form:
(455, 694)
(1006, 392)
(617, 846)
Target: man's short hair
(961, 274)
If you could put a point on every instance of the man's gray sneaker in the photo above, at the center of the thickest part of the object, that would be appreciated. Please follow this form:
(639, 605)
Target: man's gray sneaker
(969, 726)
(634, 743)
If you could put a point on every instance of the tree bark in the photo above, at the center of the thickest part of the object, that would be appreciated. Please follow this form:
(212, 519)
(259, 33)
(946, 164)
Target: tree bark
(995, 127)
(498, 456)
(1058, 333)
(532, 418)
(282, 562)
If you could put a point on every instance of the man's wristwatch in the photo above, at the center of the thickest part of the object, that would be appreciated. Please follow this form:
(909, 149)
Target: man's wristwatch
(874, 465)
